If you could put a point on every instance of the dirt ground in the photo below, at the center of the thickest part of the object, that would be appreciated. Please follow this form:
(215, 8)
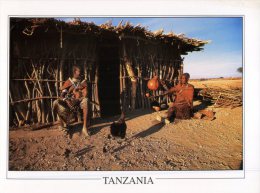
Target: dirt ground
(149, 145)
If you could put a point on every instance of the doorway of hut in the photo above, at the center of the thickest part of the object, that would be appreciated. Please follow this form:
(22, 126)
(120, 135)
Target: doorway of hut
(108, 83)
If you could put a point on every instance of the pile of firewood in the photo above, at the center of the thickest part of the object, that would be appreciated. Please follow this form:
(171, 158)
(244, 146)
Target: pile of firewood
(231, 97)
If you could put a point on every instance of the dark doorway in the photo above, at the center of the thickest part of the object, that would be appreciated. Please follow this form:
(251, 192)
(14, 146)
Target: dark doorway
(109, 84)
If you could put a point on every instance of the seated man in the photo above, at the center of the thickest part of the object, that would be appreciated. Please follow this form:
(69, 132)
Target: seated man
(73, 95)
(183, 102)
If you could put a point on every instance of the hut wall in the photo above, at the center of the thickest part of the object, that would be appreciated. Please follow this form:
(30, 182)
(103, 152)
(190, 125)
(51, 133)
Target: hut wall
(146, 59)
(39, 64)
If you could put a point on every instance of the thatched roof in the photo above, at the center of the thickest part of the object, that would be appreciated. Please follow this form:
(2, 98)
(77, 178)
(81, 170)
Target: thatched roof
(123, 30)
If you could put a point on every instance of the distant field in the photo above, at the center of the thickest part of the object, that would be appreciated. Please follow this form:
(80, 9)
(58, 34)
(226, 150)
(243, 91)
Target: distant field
(223, 83)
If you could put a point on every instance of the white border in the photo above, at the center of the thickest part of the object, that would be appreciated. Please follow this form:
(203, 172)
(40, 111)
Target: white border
(252, 105)
(157, 175)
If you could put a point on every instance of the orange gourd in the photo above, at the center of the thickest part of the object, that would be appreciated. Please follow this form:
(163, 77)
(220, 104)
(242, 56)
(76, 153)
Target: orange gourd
(153, 84)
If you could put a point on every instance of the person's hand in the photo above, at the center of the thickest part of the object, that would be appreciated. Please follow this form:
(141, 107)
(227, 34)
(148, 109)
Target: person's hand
(166, 92)
(162, 82)
(71, 89)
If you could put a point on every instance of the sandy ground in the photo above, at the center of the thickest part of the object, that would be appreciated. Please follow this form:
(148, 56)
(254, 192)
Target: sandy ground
(149, 145)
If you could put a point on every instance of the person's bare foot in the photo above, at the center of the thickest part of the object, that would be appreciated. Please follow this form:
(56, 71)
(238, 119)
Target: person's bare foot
(159, 118)
(85, 132)
(62, 126)
(167, 121)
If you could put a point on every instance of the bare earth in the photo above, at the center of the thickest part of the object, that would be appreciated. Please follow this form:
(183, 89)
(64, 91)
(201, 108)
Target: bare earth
(149, 145)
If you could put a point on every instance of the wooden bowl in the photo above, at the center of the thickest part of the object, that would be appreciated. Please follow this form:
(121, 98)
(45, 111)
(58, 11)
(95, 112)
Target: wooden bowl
(156, 108)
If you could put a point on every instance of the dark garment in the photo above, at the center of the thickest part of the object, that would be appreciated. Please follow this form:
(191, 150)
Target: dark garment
(180, 111)
(183, 93)
(183, 103)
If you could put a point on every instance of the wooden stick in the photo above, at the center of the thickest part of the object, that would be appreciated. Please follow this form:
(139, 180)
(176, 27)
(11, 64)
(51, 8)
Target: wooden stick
(121, 87)
(45, 80)
(32, 99)
(96, 90)
(131, 73)
(56, 74)
(85, 69)
(43, 97)
(29, 104)
(48, 86)
(11, 99)
(157, 95)
(33, 79)
(61, 72)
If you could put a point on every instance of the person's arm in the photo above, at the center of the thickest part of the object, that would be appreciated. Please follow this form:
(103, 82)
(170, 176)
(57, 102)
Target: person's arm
(171, 90)
(85, 92)
(164, 86)
(65, 89)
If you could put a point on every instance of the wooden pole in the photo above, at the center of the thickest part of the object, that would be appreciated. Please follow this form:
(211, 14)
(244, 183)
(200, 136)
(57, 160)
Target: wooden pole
(48, 86)
(61, 72)
(29, 104)
(33, 99)
(124, 88)
(121, 87)
(33, 79)
(57, 80)
(85, 70)
(130, 71)
(96, 91)
(16, 115)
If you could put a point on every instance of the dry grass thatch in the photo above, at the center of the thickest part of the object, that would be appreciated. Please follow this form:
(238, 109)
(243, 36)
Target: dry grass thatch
(125, 29)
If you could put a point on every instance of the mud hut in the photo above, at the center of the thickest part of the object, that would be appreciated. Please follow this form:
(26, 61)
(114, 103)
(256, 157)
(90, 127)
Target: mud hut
(117, 62)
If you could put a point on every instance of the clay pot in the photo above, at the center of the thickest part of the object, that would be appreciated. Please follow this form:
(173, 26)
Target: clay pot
(147, 95)
(153, 84)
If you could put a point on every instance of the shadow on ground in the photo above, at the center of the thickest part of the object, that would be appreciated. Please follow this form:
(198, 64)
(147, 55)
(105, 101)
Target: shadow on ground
(153, 129)
(98, 124)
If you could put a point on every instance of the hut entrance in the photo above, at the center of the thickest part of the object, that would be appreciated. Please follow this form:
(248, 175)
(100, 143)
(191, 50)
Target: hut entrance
(109, 84)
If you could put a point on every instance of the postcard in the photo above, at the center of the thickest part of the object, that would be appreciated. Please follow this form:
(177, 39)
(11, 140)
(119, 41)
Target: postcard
(101, 102)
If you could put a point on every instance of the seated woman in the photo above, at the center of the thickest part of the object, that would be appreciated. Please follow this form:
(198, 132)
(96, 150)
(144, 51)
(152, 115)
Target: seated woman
(183, 102)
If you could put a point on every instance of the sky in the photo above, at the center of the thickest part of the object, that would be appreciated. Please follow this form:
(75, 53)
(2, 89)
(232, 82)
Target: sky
(220, 58)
